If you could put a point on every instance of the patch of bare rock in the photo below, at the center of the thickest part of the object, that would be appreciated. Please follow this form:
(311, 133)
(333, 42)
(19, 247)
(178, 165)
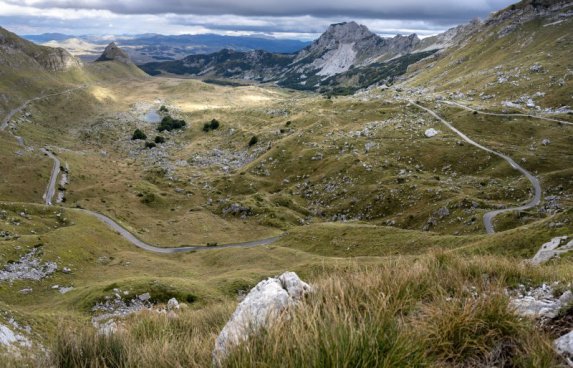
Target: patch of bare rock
(264, 304)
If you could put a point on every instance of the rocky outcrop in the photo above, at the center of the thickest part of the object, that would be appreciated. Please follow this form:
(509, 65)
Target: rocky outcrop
(264, 303)
(57, 59)
(564, 346)
(19, 53)
(552, 249)
(344, 45)
(342, 48)
(28, 267)
(542, 305)
(113, 53)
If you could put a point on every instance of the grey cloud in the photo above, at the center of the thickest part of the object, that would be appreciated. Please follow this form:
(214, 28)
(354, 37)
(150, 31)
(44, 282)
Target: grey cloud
(445, 11)
(307, 25)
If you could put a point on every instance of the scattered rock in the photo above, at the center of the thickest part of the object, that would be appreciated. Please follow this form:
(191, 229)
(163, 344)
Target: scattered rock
(536, 68)
(540, 302)
(263, 304)
(552, 249)
(28, 267)
(9, 338)
(443, 212)
(172, 304)
(429, 133)
(564, 346)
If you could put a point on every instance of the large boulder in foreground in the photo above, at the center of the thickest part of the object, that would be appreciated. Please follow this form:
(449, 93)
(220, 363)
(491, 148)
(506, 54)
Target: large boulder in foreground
(263, 304)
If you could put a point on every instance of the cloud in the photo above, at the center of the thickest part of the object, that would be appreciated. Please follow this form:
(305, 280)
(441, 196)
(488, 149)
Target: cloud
(301, 18)
(383, 9)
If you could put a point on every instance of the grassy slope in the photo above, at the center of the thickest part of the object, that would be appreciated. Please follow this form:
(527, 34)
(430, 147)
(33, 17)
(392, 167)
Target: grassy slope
(475, 65)
(101, 260)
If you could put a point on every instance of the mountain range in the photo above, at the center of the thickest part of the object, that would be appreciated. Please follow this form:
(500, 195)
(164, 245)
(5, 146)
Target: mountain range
(150, 47)
(344, 51)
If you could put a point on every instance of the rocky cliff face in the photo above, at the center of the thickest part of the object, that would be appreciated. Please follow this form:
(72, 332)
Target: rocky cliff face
(19, 53)
(113, 52)
(343, 48)
(344, 45)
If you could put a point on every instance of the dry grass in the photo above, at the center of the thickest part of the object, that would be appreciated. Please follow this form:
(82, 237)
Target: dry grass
(439, 310)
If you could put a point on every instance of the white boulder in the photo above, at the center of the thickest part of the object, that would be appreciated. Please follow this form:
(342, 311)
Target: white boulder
(551, 249)
(172, 304)
(264, 303)
(564, 346)
(430, 132)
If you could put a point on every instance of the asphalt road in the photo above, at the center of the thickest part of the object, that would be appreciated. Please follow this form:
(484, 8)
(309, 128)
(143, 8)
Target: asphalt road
(489, 216)
(51, 191)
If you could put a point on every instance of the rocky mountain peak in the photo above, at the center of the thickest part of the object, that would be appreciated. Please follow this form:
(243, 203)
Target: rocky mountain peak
(346, 32)
(340, 46)
(113, 52)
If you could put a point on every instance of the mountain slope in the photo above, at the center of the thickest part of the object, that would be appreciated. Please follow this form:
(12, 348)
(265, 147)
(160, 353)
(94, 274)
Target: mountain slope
(342, 47)
(519, 56)
(17, 52)
(28, 70)
(253, 65)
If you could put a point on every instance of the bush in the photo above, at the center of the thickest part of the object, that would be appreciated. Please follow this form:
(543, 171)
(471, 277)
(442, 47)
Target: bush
(138, 134)
(169, 124)
(150, 145)
(163, 109)
(254, 140)
(214, 124)
(159, 139)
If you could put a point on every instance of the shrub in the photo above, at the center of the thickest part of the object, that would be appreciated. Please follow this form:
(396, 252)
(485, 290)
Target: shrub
(254, 140)
(169, 124)
(163, 109)
(159, 139)
(138, 134)
(214, 124)
(206, 127)
(150, 145)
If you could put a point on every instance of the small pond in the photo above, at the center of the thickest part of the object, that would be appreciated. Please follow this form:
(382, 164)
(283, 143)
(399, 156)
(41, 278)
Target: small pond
(152, 117)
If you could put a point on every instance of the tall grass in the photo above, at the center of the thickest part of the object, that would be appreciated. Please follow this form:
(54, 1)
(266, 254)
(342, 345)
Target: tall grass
(439, 310)
(145, 340)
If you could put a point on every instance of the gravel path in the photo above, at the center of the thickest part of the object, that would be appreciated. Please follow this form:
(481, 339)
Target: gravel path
(489, 216)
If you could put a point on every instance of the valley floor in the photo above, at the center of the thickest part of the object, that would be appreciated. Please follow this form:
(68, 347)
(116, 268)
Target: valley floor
(352, 185)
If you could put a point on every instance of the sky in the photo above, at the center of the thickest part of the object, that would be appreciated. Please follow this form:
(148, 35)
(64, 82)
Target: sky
(298, 19)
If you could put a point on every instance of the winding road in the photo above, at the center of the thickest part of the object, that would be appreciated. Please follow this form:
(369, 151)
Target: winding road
(506, 115)
(489, 216)
(51, 191)
(13, 112)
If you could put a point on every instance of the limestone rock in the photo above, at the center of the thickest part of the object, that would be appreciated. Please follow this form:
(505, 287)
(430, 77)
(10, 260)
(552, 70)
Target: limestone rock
(172, 304)
(264, 303)
(564, 346)
(431, 132)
